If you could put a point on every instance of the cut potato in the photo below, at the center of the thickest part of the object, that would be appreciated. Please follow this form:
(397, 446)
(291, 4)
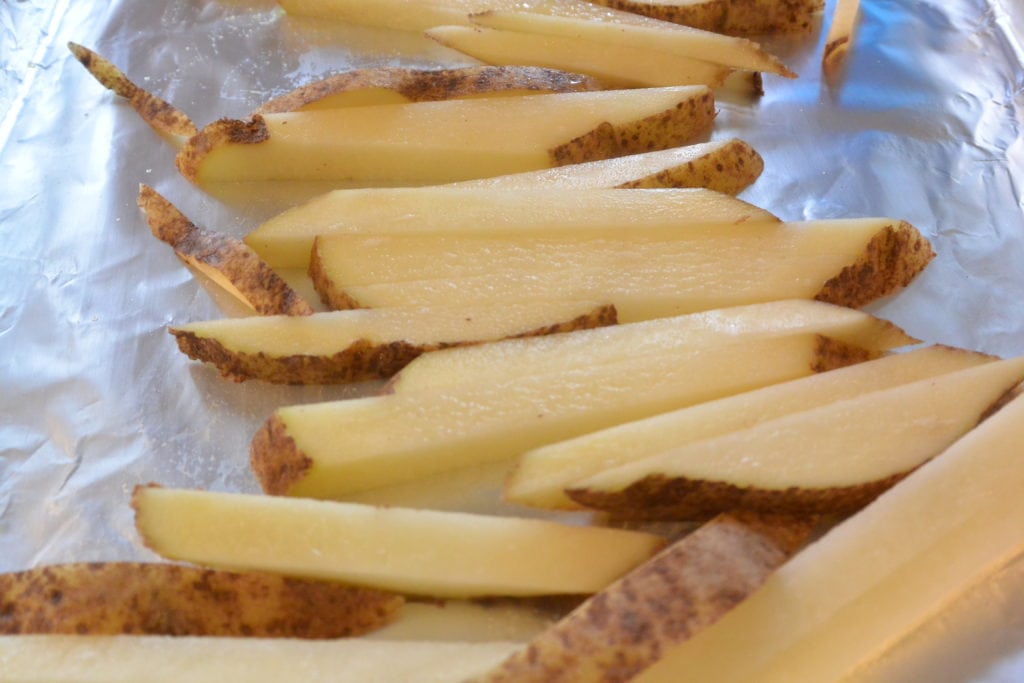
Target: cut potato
(837, 43)
(681, 41)
(877, 576)
(422, 552)
(732, 17)
(541, 476)
(156, 659)
(728, 166)
(666, 268)
(164, 599)
(407, 142)
(350, 346)
(330, 449)
(831, 459)
(396, 85)
(685, 588)
(581, 350)
(619, 66)
(163, 117)
(287, 239)
(225, 260)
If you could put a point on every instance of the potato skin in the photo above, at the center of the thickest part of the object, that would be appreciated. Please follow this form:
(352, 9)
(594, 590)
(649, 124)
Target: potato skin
(429, 85)
(688, 586)
(107, 598)
(732, 17)
(730, 169)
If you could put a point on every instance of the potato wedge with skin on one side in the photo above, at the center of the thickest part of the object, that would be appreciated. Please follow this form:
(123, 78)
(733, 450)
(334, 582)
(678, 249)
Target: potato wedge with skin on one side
(861, 446)
(404, 142)
(166, 599)
(351, 346)
(647, 269)
(395, 85)
(728, 166)
(496, 401)
(873, 579)
(837, 43)
(732, 17)
(420, 552)
(287, 239)
(156, 659)
(540, 476)
(663, 602)
(226, 260)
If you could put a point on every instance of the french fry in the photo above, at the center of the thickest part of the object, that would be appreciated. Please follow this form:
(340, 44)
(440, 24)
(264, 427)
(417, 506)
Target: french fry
(840, 33)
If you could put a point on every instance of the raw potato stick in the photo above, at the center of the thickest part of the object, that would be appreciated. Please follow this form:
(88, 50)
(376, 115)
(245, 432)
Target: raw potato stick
(163, 117)
(665, 601)
(107, 598)
(840, 33)
(403, 143)
(389, 85)
(861, 447)
(732, 17)
(226, 260)
(357, 345)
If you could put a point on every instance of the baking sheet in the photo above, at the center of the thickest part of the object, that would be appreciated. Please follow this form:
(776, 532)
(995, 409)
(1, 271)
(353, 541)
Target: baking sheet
(95, 398)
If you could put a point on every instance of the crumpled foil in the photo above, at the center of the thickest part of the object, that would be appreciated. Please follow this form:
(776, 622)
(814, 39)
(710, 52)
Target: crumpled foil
(926, 125)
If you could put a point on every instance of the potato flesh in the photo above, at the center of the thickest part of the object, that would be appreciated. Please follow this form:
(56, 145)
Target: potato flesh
(287, 239)
(657, 272)
(367, 443)
(331, 332)
(877, 576)
(585, 348)
(619, 66)
(853, 441)
(541, 476)
(422, 552)
(166, 659)
(404, 142)
(682, 41)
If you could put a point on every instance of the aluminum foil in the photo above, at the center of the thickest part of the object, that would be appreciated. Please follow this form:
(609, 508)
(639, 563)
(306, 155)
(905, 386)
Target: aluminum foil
(94, 397)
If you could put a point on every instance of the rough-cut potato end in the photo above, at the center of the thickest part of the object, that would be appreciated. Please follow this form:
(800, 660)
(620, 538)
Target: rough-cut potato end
(228, 261)
(837, 43)
(217, 134)
(107, 598)
(890, 261)
(428, 85)
(161, 116)
(657, 497)
(362, 359)
(730, 169)
(275, 459)
(677, 126)
(687, 587)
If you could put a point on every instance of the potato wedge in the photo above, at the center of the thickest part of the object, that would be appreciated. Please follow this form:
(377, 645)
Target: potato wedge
(535, 391)
(287, 239)
(403, 142)
(874, 578)
(837, 43)
(861, 447)
(156, 659)
(225, 260)
(541, 475)
(395, 85)
(681, 41)
(655, 268)
(107, 598)
(619, 66)
(732, 17)
(163, 117)
(665, 601)
(577, 351)
(351, 346)
(421, 552)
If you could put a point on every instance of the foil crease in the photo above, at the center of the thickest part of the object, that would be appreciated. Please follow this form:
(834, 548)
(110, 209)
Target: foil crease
(926, 125)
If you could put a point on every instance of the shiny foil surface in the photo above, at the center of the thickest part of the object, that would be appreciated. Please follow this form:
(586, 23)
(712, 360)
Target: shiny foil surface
(926, 125)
